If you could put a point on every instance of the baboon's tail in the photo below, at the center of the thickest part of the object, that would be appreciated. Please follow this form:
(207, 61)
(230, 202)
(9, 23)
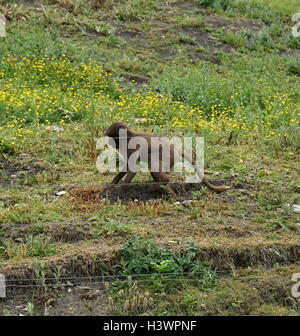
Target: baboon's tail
(201, 175)
(215, 188)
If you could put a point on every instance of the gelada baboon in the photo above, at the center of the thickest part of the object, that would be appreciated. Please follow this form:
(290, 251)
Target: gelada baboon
(165, 154)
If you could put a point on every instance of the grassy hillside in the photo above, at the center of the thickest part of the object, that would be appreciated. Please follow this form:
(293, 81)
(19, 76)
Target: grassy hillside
(227, 70)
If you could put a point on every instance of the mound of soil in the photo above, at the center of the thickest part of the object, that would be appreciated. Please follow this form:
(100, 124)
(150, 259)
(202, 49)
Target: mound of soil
(136, 192)
(60, 232)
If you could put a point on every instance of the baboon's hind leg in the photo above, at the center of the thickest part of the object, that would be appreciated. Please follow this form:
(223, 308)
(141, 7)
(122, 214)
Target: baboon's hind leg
(160, 177)
(164, 179)
(115, 180)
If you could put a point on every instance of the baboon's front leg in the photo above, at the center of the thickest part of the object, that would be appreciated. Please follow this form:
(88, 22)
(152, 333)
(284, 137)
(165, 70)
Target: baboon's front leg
(118, 177)
(130, 175)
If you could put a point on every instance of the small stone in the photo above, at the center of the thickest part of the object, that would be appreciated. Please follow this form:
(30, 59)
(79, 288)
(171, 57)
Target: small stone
(60, 193)
(141, 120)
(187, 201)
(296, 208)
(84, 288)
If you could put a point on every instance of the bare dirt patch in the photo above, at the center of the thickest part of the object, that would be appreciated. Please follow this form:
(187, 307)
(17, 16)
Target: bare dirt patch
(60, 233)
(185, 5)
(71, 300)
(228, 231)
(20, 170)
(131, 34)
(68, 234)
(86, 194)
(245, 256)
(85, 199)
(216, 21)
(205, 40)
(136, 192)
(136, 36)
(211, 43)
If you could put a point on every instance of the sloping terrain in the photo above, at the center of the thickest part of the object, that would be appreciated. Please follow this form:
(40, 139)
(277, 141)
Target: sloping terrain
(226, 70)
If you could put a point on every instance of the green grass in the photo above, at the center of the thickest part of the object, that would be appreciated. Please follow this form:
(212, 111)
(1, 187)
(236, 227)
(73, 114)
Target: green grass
(267, 11)
(246, 88)
(161, 270)
(225, 70)
(37, 246)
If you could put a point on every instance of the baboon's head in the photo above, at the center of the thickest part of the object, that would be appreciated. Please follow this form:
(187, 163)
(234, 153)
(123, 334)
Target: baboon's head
(114, 129)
